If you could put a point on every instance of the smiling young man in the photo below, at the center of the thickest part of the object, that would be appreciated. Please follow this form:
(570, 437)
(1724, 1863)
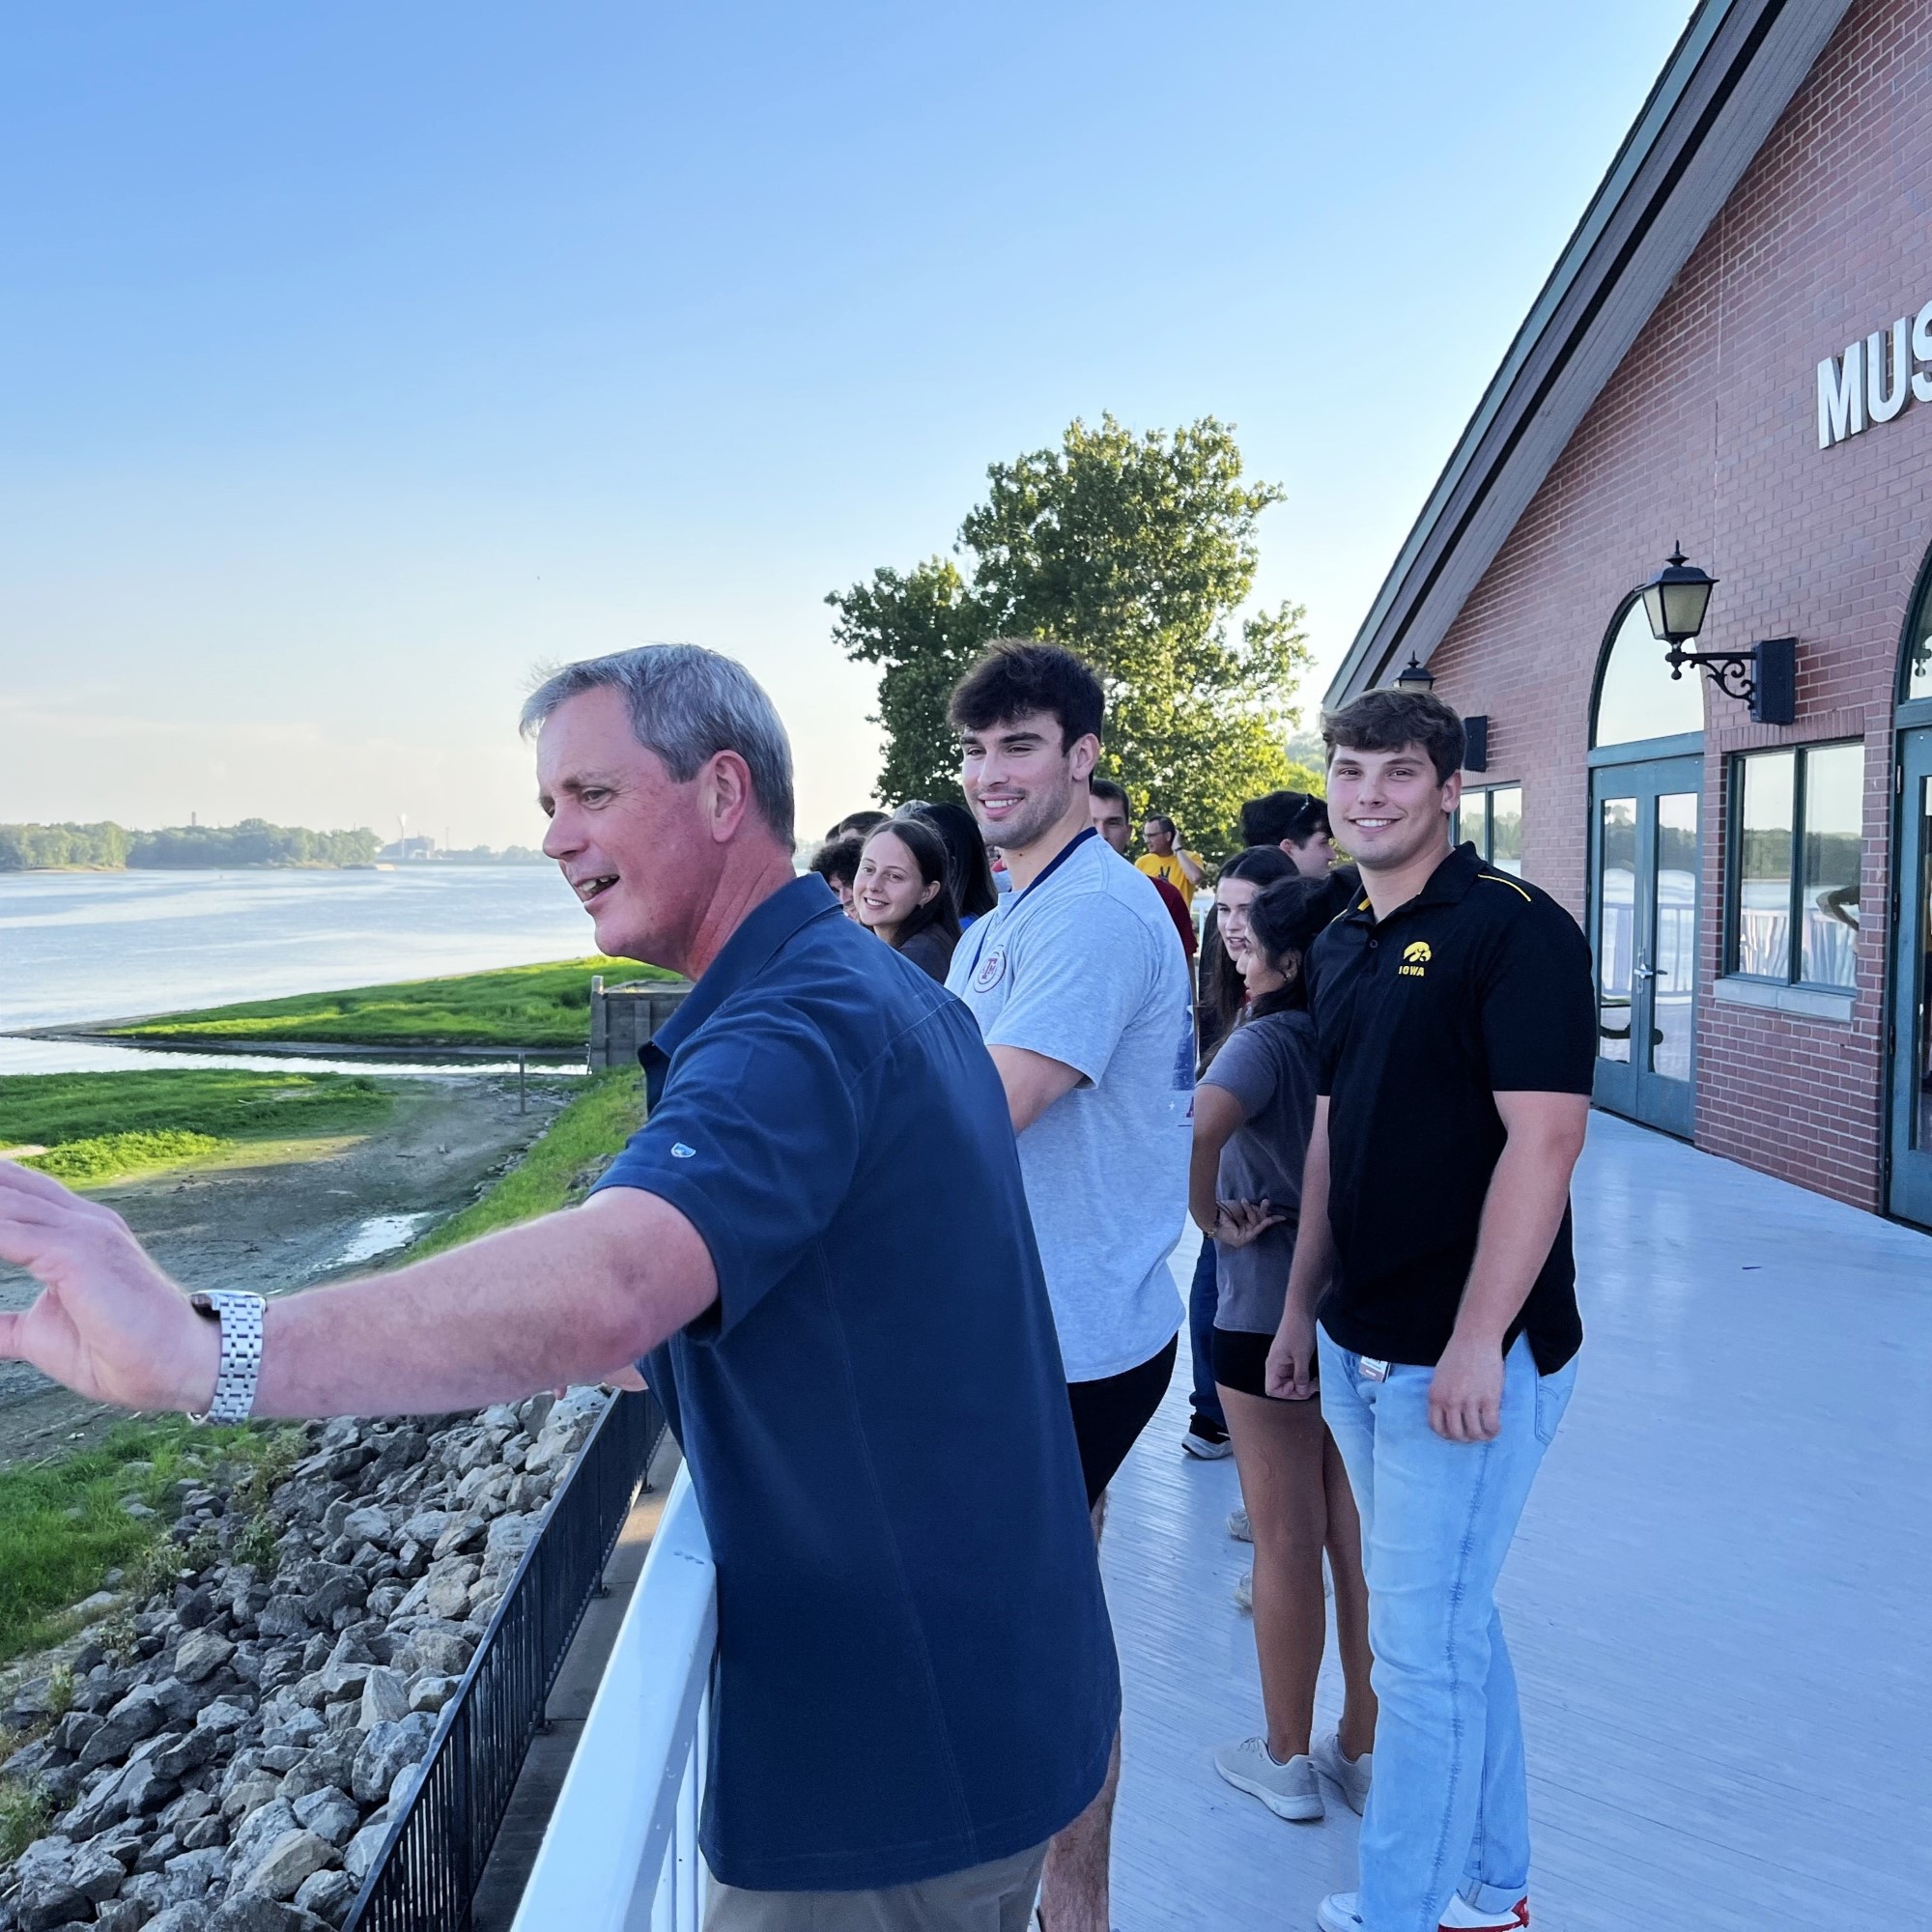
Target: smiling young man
(1434, 1282)
(1083, 997)
(916, 1677)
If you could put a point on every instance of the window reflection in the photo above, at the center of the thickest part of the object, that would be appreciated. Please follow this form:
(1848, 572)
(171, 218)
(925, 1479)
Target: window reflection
(1674, 925)
(1616, 924)
(1762, 914)
(1638, 698)
(1834, 783)
(1506, 830)
(1924, 1061)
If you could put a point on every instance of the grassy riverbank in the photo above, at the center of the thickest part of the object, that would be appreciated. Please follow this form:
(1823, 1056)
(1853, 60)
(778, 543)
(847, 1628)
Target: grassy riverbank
(66, 1525)
(543, 1005)
(98, 1128)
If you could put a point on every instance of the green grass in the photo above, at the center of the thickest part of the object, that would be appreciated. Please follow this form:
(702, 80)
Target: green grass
(104, 1157)
(560, 1167)
(98, 1128)
(519, 1007)
(62, 1526)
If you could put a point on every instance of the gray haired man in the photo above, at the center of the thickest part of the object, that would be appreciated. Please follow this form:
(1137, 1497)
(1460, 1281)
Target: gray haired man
(917, 1686)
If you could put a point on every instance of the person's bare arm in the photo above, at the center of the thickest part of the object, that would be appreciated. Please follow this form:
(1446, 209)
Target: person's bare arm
(1191, 866)
(576, 1296)
(1217, 1115)
(1291, 1358)
(1034, 1082)
(1235, 1224)
(1521, 1212)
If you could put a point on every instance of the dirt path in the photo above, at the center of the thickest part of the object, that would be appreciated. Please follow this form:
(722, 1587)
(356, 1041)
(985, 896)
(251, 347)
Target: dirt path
(290, 1216)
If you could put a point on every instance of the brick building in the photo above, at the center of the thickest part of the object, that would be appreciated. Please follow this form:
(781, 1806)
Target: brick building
(1734, 355)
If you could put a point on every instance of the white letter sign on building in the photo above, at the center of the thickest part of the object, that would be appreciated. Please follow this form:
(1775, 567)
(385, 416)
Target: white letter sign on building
(1874, 380)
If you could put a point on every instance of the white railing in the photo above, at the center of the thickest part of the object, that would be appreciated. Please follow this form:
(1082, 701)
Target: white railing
(621, 1851)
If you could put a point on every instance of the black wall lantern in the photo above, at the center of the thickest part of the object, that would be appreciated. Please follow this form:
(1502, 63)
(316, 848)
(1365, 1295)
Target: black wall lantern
(1416, 678)
(1765, 676)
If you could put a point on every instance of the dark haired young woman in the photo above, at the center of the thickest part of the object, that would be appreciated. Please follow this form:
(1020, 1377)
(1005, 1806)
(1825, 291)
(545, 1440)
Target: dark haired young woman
(1252, 1112)
(903, 893)
(1224, 994)
(968, 869)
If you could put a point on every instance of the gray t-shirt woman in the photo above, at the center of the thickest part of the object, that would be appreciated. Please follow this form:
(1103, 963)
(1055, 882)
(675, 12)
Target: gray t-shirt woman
(1268, 1066)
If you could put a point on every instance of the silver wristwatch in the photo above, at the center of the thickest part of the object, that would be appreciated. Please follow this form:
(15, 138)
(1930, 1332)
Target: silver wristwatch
(240, 1316)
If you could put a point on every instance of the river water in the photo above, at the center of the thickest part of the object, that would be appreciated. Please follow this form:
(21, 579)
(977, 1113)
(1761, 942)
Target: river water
(80, 946)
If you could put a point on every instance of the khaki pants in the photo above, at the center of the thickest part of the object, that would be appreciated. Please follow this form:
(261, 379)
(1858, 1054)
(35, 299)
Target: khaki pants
(996, 1897)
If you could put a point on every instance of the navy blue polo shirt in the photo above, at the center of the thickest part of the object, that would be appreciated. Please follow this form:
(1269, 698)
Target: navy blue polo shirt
(915, 1669)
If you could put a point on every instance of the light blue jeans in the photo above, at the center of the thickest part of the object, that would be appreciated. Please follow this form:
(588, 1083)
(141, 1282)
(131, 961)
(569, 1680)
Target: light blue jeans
(1448, 1810)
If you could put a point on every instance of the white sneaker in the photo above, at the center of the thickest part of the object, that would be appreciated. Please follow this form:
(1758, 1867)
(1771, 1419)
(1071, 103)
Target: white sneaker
(1352, 1777)
(1244, 1593)
(1289, 1790)
(1460, 1916)
(1340, 1913)
(1239, 1527)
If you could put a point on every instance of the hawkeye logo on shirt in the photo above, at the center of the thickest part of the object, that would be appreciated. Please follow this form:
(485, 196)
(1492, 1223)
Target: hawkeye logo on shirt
(1415, 958)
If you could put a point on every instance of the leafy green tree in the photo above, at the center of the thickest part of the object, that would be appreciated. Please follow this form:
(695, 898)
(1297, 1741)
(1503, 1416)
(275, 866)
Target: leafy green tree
(1135, 552)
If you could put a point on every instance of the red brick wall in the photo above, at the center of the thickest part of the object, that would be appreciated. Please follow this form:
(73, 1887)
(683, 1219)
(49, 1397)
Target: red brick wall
(1708, 435)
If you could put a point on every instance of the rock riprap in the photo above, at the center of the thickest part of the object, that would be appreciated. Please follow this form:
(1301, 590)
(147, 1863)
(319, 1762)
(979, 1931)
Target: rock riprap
(235, 1749)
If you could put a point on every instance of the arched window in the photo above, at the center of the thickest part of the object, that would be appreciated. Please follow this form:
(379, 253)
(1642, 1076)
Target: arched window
(1916, 673)
(1636, 697)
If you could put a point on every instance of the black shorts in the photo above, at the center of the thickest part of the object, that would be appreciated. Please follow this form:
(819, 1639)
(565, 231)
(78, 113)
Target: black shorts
(1110, 1414)
(1241, 1361)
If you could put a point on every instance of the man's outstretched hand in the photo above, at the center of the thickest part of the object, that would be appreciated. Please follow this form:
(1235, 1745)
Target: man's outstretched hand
(110, 1323)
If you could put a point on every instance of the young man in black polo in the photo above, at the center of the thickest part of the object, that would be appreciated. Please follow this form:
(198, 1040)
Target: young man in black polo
(1434, 1283)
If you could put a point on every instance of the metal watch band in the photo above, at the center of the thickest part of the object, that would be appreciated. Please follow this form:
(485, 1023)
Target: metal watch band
(240, 1316)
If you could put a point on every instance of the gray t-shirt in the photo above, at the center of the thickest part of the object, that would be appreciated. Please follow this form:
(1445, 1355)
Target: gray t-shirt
(1084, 967)
(1270, 1065)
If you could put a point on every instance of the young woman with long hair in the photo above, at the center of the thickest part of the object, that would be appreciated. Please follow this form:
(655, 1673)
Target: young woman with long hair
(1252, 1112)
(968, 868)
(1223, 992)
(903, 891)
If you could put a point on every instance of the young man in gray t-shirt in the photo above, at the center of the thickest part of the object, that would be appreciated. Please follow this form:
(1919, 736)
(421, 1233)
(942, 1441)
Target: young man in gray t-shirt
(1083, 997)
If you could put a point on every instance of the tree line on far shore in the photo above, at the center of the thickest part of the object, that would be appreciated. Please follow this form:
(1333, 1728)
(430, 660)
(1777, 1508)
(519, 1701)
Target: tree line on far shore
(254, 841)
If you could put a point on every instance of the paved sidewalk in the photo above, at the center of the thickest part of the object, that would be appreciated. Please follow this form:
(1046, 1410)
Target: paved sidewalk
(1719, 1603)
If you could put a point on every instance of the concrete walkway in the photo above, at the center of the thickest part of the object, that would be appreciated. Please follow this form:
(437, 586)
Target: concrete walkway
(1718, 1602)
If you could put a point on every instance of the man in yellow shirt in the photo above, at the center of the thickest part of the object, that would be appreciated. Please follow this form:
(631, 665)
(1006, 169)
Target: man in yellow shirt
(1165, 860)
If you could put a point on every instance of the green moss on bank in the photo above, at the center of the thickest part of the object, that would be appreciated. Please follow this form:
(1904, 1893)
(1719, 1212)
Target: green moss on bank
(537, 1006)
(98, 1127)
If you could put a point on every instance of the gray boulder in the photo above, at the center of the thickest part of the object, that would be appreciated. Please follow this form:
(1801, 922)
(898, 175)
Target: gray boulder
(326, 1893)
(278, 1873)
(359, 1855)
(202, 1653)
(385, 1697)
(260, 1830)
(387, 1749)
(138, 1715)
(330, 1813)
(253, 1913)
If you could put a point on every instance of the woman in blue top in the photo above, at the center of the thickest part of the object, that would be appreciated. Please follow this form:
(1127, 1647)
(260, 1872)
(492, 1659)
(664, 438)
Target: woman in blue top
(1252, 1112)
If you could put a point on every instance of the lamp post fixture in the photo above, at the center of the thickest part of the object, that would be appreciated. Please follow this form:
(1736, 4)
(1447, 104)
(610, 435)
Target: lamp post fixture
(1415, 679)
(1765, 677)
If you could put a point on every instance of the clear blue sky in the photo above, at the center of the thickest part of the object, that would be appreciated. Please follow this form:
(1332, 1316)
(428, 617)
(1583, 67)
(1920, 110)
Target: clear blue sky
(358, 357)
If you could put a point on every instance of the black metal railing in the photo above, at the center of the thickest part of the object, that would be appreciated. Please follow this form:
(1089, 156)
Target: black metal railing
(426, 1875)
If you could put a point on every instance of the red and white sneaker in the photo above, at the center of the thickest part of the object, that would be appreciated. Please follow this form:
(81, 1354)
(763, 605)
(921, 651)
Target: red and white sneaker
(1340, 1913)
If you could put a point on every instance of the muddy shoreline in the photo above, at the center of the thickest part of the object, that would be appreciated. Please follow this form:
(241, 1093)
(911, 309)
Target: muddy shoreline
(289, 1215)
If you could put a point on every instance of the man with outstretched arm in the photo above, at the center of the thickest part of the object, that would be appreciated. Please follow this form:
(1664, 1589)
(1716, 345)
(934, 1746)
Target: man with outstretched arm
(1435, 1287)
(917, 1679)
(1083, 996)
